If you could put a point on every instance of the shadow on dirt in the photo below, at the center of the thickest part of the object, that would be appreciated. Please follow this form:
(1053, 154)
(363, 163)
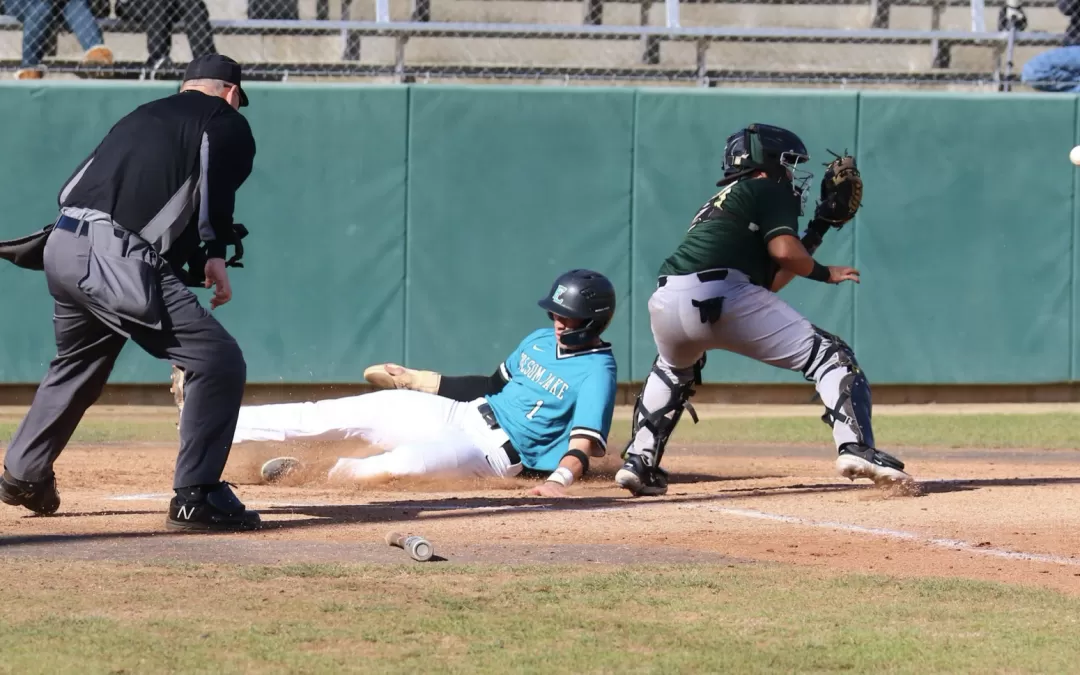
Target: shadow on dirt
(967, 484)
(478, 508)
(408, 510)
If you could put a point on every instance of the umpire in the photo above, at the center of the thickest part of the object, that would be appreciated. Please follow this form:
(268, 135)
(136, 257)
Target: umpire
(158, 192)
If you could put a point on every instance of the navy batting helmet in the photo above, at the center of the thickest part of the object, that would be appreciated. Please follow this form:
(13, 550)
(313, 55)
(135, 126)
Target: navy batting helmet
(582, 294)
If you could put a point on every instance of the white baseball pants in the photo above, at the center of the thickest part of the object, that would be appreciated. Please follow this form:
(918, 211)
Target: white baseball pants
(426, 433)
(753, 322)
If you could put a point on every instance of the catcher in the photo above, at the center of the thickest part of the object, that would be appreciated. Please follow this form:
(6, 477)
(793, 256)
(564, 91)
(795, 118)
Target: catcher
(718, 291)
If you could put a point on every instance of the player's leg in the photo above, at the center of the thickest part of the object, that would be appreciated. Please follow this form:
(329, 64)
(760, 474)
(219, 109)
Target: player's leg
(760, 325)
(427, 433)
(86, 351)
(454, 455)
(845, 392)
(380, 417)
(664, 396)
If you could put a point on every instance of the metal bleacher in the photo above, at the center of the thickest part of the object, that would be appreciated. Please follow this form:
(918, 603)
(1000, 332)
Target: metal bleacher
(710, 42)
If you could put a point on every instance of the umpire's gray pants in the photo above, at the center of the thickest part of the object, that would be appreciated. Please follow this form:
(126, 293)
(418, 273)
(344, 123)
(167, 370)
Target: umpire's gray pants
(109, 286)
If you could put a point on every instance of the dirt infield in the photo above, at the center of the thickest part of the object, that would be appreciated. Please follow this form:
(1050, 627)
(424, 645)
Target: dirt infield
(1006, 515)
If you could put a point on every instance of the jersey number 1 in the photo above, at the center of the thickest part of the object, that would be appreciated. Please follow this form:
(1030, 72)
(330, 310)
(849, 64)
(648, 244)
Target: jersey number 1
(533, 411)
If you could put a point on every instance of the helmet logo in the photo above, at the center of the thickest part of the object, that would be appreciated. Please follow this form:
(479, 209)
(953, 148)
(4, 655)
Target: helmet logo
(557, 297)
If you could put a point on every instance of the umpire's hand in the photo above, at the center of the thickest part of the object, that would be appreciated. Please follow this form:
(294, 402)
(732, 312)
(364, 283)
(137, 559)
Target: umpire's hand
(217, 277)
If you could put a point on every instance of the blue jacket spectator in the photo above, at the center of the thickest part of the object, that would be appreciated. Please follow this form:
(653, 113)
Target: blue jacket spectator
(1058, 69)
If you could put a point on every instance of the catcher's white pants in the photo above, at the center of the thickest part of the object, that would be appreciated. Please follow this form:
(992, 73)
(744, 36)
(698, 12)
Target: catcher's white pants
(427, 433)
(753, 322)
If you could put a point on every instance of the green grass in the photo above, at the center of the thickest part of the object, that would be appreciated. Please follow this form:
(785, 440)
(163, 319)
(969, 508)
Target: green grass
(111, 431)
(1042, 430)
(516, 619)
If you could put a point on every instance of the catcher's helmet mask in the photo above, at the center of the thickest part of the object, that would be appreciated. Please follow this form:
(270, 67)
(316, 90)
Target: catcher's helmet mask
(768, 148)
(584, 295)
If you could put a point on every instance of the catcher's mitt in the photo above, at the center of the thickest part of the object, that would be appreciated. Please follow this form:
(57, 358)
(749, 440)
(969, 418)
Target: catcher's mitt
(841, 191)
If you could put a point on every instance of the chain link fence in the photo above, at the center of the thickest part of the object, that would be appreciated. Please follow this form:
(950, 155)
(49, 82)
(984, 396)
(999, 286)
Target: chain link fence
(867, 43)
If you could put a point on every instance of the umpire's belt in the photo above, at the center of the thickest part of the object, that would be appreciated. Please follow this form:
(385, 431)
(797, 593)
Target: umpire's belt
(489, 416)
(81, 227)
(703, 277)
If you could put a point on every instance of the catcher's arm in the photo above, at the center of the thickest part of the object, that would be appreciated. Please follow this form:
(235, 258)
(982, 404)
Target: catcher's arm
(791, 256)
(841, 197)
(811, 239)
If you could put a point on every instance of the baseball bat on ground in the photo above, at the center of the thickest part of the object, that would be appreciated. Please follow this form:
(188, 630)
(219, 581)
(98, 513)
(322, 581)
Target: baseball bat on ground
(419, 548)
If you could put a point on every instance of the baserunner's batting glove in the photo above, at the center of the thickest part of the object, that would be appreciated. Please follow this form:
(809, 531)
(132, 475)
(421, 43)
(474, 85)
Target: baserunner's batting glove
(393, 376)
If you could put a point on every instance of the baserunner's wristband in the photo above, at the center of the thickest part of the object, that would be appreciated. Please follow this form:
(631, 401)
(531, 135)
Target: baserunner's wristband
(819, 273)
(562, 476)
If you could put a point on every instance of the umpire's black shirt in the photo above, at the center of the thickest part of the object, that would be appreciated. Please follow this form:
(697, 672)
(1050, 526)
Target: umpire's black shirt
(169, 170)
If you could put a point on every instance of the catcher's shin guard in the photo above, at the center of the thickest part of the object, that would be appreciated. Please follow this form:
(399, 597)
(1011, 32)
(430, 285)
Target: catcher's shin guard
(845, 392)
(641, 473)
(843, 388)
(662, 421)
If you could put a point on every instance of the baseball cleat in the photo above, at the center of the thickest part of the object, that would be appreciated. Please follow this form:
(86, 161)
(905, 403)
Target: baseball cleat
(41, 497)
(277, 468)
(215, 510)
(860, 461)
(640, 478)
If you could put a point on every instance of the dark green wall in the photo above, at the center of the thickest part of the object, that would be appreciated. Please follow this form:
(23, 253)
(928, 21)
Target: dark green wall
(422, 223)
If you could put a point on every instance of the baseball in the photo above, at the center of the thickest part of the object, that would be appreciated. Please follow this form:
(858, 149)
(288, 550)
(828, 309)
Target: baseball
(1074, 155)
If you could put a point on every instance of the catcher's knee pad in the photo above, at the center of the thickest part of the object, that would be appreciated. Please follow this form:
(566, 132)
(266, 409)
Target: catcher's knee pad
(853, 404)
(657, 421)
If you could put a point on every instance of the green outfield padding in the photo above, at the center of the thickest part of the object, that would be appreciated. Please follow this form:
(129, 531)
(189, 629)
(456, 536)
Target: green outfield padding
(508, 188)
(965, 241)
(422, 223)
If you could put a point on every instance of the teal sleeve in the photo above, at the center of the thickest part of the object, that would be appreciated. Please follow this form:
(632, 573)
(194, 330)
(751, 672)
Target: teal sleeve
(594, 409)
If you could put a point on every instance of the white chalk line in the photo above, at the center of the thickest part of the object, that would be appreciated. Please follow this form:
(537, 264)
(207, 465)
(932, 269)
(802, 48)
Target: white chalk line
(955, 544)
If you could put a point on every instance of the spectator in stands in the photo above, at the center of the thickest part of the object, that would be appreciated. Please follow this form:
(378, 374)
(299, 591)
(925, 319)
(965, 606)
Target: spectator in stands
(37, 19)
(1058, 69)
(162, 14)
(159, 18)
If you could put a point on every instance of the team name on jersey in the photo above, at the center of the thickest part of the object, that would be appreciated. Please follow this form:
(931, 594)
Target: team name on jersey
(548, 380)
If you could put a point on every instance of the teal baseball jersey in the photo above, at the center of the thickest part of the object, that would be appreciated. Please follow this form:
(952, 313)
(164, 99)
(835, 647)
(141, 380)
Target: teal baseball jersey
(553, 394)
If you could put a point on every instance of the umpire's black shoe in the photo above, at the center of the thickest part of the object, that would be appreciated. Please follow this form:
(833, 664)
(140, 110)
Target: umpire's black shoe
(41, 497)
(212, 508)
(640, 478)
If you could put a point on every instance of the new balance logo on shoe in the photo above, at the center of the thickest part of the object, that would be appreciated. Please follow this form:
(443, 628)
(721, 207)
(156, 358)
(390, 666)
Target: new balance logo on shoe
(185, 512)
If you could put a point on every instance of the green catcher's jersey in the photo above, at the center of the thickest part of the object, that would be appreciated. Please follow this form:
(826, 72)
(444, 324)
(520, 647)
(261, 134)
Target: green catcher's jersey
(734, 227)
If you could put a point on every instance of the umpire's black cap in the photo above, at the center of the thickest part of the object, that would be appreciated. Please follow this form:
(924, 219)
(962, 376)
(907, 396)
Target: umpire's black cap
(216, 67)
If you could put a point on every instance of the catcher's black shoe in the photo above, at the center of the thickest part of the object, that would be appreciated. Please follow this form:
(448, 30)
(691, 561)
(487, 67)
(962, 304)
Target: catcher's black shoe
(640, 478)
(41, 497)
(210, 508)
(862, 461)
